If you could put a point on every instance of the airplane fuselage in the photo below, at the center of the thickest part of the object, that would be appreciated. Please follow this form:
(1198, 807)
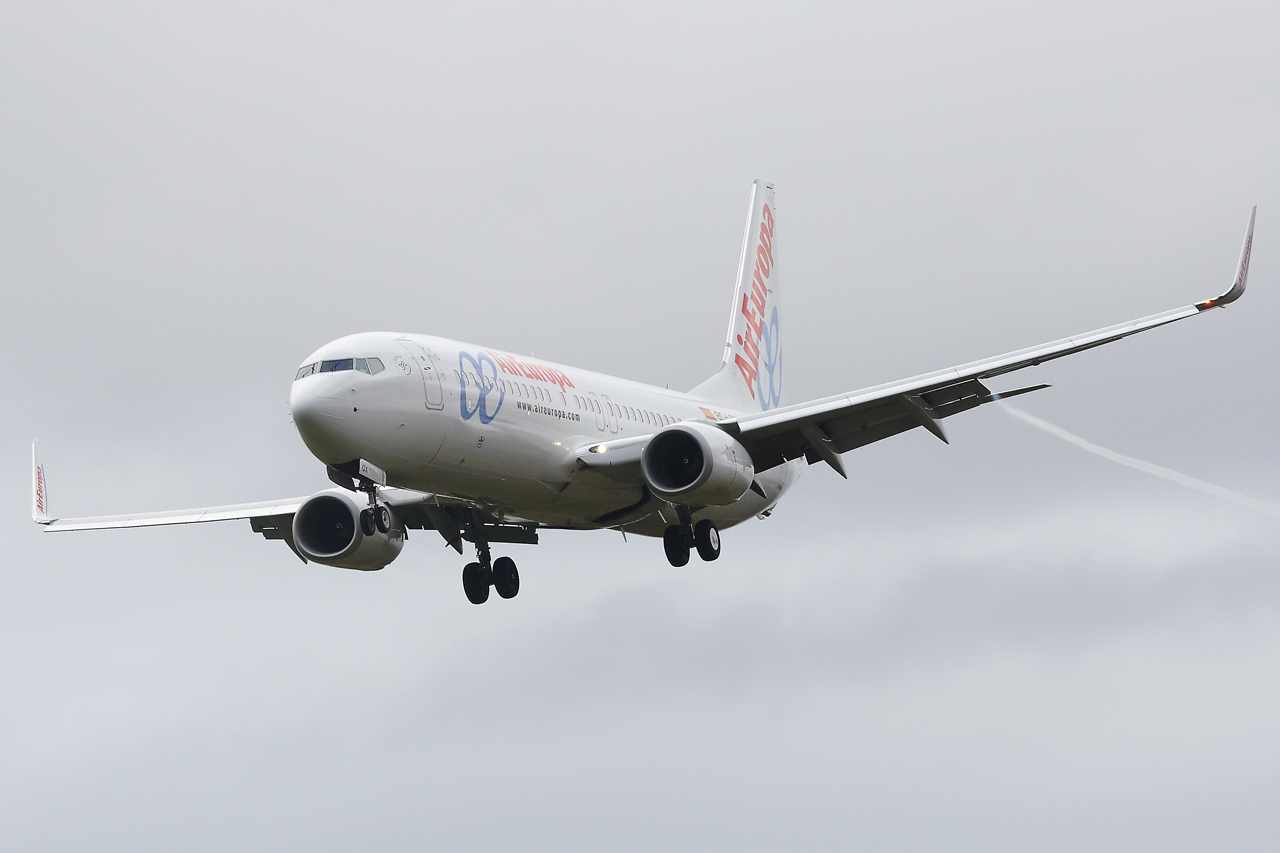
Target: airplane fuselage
(502, 430)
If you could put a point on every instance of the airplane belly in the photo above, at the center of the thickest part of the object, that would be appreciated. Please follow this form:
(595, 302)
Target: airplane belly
(595, 501)
(496, 457)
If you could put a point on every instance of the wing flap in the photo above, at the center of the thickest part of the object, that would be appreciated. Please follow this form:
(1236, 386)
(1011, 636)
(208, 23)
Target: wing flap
(276, 527)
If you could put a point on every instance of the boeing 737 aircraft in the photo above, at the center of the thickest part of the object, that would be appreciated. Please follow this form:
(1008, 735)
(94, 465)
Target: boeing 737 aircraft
(426, 433)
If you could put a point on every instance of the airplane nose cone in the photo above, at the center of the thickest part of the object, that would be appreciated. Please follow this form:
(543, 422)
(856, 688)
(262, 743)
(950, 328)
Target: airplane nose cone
(318, 413)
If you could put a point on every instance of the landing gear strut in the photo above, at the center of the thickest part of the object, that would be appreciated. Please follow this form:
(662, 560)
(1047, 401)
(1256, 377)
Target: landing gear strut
(377, 518)
(501, 574)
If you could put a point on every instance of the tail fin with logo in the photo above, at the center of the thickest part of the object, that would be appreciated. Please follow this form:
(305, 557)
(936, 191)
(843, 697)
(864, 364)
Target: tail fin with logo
(39, 488)
(750, 375)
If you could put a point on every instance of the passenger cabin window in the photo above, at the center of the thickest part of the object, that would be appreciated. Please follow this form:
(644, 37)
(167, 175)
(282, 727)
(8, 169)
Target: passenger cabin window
(306, 370)
(337, 364)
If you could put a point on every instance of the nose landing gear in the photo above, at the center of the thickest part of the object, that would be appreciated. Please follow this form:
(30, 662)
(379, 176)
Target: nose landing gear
(375, 519)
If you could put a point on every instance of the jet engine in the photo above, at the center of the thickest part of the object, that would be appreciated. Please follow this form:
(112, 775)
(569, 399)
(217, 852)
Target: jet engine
(696, 464)
(327, 529)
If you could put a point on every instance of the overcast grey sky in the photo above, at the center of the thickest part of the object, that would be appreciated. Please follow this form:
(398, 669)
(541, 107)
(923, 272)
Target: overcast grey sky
(1001, 644)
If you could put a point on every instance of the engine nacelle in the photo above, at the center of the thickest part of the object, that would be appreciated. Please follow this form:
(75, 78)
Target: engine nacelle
(696, 464)
(326, 529)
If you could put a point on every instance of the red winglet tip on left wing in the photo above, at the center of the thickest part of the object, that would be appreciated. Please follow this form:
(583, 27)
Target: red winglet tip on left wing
(1242, 271)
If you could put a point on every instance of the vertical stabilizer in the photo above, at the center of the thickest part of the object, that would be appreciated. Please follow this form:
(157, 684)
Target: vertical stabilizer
(39, 487)
(750, 375)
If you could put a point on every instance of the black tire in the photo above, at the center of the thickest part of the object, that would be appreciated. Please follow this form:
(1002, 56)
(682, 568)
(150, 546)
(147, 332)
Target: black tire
(506, 580)
(382, 518)
(368, 526)
(475, 583)
(676, 546)
(707, 538)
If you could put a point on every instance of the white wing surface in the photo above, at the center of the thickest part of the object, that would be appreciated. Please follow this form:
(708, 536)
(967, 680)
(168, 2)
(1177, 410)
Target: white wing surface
(231, 512)
(821, 429)
(40, 509)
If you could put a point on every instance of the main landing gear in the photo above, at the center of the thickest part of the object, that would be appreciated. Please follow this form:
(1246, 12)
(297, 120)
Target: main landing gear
(500, 574)
(679, 539)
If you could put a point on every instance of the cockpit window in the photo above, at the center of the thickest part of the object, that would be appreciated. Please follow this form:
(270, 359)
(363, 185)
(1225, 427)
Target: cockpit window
(364, 365)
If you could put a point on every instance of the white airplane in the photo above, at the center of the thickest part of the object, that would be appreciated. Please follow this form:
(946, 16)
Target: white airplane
(489, 447)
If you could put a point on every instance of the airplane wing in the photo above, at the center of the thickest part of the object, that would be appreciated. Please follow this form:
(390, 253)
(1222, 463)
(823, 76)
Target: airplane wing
(274, 519)
(823, 429)
(40, 509)
(262, 509)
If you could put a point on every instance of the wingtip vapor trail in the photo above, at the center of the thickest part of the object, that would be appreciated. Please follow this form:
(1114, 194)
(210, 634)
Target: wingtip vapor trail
(1142, 465)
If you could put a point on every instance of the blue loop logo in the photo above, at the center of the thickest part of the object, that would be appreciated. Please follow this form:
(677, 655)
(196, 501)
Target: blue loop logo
(488, 384)
(769, 392)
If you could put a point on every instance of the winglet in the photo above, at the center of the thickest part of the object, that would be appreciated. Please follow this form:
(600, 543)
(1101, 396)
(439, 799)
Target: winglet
(39, 488)
(1242, 271)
